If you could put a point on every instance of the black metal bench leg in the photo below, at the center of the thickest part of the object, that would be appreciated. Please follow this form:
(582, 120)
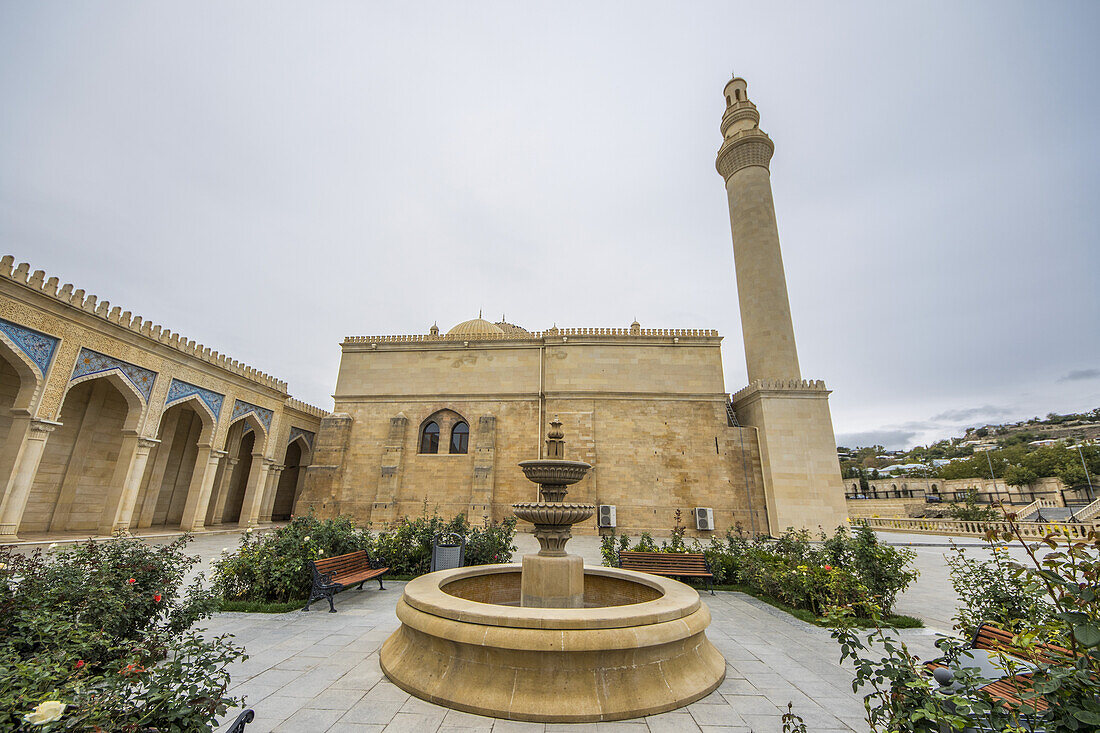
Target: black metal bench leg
(361, 586)
(331, 605)
(380, 583)
(312, 598)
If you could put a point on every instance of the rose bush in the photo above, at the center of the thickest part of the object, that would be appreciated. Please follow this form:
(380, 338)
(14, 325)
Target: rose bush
(851, 568)
(273, 567)
(98, 635)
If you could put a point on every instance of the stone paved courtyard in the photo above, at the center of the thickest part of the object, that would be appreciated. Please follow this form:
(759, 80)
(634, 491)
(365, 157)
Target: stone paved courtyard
(318, 671)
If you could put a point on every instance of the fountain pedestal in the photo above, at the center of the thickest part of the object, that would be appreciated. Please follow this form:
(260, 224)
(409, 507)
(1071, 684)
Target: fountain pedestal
(552, 582)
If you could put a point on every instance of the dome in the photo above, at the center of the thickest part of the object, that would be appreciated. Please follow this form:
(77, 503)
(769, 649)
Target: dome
(476, 327)
(511, 329)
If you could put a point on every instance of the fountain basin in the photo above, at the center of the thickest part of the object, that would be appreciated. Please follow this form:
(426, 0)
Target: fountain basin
(638, 648)
(553, 513)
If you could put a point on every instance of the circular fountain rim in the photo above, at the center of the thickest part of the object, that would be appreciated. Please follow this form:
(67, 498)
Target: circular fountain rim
(426, 594)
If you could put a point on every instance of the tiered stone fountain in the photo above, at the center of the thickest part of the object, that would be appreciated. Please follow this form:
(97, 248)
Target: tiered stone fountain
(553, 579)
(550, 640)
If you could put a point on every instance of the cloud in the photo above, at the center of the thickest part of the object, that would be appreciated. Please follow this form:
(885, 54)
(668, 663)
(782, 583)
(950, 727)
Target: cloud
(1080, 374)
(969, 413)
(889, 438)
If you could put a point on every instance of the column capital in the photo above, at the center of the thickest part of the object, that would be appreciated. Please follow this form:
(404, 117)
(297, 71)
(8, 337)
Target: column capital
(40, 429)
(148, 443)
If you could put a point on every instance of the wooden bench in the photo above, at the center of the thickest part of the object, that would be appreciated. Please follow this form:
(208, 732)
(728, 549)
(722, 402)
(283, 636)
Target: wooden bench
(333, 574)
(672, 564)
(1009, 690)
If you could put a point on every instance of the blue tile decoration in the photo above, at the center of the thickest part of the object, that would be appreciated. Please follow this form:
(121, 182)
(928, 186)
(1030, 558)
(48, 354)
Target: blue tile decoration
(38, 346)
(247, 429)
(295, 432)
(242, 408)
(93, 362)
(178, 390)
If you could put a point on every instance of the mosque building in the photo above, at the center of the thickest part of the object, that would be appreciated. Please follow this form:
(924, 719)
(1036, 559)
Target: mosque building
(109, 422)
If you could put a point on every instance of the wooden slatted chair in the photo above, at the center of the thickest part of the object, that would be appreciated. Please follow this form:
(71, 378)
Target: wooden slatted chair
(671, 564)
(333, 574)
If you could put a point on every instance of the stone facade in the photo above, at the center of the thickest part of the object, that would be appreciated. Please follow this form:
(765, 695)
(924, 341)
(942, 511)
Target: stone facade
(110, 422)
(647, 408)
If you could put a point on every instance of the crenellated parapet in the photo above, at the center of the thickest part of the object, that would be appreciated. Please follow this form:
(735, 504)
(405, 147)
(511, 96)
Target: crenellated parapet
(77, 298)
(537, 336)
(306, 408)
(780, 385)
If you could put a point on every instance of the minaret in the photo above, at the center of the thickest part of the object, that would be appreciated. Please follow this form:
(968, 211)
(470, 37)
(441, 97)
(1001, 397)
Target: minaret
(761, 285)
(794, 430)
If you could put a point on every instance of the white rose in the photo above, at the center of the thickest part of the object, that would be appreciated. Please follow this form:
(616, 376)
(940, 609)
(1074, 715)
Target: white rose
(47, 712)
(320, 552)
(249, 530)
(306, 538)
(52, 545)
(225, 550)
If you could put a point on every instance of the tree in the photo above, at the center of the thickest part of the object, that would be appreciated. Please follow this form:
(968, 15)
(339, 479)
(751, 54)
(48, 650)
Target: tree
(1020, 476)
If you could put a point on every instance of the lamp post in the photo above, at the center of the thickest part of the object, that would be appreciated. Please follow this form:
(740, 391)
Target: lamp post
(991, 475)
(1092, 496)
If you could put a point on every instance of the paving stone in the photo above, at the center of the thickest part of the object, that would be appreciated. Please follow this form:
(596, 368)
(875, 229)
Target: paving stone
(714, 714)
(675, 722)
(336, 699)
(308, 720)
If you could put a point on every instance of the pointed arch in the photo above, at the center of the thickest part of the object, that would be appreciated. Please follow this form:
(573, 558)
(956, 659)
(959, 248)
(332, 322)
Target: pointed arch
(444, 420)
(135, 400)
(30, 379)
(209, 419)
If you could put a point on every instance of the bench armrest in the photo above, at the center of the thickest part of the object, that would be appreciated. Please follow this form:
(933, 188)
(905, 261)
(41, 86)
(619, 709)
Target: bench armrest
(321, 580)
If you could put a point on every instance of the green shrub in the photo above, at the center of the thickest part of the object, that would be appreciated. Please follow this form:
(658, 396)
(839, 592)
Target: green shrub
(850, 569)
(996, 591)
(103, 629)
(274, 567)
(1063, 694)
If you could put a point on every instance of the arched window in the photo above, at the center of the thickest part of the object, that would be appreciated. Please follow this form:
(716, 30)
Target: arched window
(460, 438)
(429, 438)
(737, 94)
(728, 100)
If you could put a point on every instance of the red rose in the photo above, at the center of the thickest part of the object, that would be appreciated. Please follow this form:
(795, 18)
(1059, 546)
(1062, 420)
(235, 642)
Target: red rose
(79, 663)
(157, 598)
(828, 567)
(131, 581)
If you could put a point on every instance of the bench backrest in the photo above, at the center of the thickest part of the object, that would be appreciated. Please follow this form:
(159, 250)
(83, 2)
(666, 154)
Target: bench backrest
(995, 639)
(342, 564)
(664, 561)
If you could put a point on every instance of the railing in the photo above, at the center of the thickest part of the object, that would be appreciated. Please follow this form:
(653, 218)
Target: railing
(976, 529)
(1035, 506)
(1088, 513)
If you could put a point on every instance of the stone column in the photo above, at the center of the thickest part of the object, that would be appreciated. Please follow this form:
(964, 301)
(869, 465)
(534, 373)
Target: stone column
(25, 466)
(254, 492)
(122, 494)
(221, 495)
(160, 465)
(761, 283)
(481, 491)
(274, 472)
(202, 483)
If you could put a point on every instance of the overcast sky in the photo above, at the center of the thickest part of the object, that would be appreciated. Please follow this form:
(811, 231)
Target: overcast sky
(267, 177)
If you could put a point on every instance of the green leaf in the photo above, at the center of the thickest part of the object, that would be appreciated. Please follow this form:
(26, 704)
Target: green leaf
(1087, 634)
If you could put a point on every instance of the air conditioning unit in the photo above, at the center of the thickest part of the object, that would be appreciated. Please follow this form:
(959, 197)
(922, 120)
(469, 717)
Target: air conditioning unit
(606, 516)
(704, 518)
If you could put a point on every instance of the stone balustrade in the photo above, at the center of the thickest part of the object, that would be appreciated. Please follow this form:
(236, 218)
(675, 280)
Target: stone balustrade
(538, 335)
(1035, 530)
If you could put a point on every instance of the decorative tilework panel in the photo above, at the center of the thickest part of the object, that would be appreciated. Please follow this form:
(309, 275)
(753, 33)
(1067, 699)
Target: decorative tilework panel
(247, 429)
(179, 390)
(295, 432)
(241, 408)
(38, 346)
(93, 362)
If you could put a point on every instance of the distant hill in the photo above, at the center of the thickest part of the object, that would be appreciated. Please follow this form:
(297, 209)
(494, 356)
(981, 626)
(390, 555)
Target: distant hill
(1019, 452)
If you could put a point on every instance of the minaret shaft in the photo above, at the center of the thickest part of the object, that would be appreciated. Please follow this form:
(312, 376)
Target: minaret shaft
(766, 325)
